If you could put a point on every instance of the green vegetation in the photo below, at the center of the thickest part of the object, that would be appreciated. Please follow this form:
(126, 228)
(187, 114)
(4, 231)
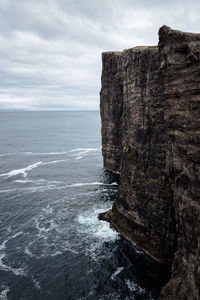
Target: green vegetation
(127, 150)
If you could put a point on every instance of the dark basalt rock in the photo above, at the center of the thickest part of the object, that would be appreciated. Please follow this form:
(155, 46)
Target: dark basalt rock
(150, 114)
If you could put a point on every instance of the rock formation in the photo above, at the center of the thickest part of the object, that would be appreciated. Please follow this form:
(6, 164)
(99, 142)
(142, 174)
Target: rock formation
(150, 110)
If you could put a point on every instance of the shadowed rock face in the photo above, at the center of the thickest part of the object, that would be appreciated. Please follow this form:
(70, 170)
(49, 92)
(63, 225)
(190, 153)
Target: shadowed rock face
(111, 109)
(180, 73)
(150, 133)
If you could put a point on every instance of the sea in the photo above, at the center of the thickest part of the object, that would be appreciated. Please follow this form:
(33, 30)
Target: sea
(52, 188)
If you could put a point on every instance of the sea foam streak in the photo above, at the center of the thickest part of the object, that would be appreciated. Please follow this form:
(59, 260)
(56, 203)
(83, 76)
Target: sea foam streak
(30, 153)
(134, 287)
(117, 272)
(54, 162)
(42, 188)
(3, 245)
(82, 151)
(3, 266)
(4, 292)
(22, 171)
(89, 183)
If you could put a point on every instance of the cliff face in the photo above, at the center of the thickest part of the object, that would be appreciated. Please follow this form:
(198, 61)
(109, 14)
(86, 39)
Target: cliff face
(180, 72)
(150, 133)
(111, 109)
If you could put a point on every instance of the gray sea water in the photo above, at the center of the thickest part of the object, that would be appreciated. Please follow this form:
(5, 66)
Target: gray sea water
(52, 188)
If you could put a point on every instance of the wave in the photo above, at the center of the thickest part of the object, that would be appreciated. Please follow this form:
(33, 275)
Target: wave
(6, 154)
(36, 283)
(89, 183)
(22, 171)
(44, 188)
(48, 209)
(90, 227)
(119, 270)
(45, 153)
(30, 153)
(4, 291)
(4, 267)
(27, 250)
(83, 151)
(54, 162)
(3, 245)
(134, 287)
(38, 181)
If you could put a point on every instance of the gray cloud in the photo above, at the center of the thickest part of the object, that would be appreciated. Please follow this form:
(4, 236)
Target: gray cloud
(50, 50)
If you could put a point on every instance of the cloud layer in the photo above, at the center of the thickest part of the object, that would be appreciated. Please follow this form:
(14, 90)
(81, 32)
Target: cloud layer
(50, 50)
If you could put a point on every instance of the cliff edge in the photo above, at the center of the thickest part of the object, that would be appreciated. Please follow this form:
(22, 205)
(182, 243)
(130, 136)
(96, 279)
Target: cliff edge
(150, 111)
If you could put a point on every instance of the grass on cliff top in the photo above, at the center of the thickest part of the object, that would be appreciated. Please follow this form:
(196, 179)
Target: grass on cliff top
(145, 47)
(113, 52)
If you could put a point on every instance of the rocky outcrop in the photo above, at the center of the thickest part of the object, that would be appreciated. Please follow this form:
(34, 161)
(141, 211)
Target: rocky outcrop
(150, 114)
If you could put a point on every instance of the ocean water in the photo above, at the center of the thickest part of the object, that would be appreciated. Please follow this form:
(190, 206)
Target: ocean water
(52, 188)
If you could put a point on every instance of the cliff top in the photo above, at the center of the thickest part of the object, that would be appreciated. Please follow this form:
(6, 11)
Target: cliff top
(165, 32)
(137, 48)
(170, 36)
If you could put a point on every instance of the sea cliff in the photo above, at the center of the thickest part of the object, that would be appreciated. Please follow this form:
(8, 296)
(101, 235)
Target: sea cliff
(150, 111)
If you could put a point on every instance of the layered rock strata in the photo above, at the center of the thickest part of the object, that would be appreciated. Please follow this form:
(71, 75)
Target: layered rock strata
(111, 109)
(150, 110)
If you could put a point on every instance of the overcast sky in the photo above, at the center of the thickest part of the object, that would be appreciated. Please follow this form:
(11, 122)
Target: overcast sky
(50, 50)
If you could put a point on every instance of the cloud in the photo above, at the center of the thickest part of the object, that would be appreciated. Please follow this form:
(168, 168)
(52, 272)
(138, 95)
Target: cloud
(50, 50)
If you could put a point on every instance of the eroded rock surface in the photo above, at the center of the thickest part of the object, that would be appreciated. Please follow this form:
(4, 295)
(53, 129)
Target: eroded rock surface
(111, 109)
(150, 109)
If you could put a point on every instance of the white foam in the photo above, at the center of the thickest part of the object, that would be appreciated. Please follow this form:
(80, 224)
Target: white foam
(3, 245)
(27, 251)
(54, 161)
(31, 189)
(48, 246)
(83, 151)
(46, 153)
(52, 186)
(117, 272)
(4, 267)
(38, 181)
(25, 170)
(134, 287)
(56, 253)
(89, 183)
(84, 184)
(36, 283)
(6, 154)
(4, 292)
(22, 171)
(55, 152)
(9, 228)
(48, 209)
(90, 225)
(42, 230)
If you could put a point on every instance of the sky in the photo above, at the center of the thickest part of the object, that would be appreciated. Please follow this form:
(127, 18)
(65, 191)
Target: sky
(50, 50)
